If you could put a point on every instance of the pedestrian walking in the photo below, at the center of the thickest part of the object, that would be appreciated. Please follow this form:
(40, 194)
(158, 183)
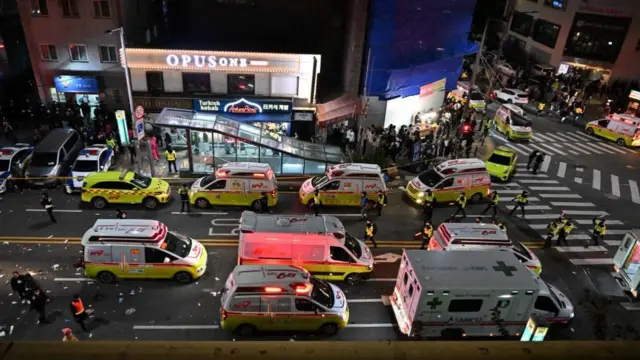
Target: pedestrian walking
(426, 233)
(493, 204)
(532, 156)
(364, 203)
(67, 335)
(370, 231)
(170, 156)
(461, 204)
(565, 230)
(264, 203)
(47, 204)
(381, 202)
(552, 231)
(521, 201)
(38, 302)
(316, 203)
(184, 198)
(19, 286)
(121, 214)
(427, 205)
(79, 312)
(537, 162)
(599, 231)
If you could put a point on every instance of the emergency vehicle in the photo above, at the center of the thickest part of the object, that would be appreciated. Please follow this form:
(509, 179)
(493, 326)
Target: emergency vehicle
(343, 184)
(126, 187)
(627, 262)
(238, 184)
(319, 244)
(511, 121)
(480, 237)
(448, 179)
(501, 163)
(476, 98)
(280, 298)
(453, 294)
(140, 249)
(623, 129)
(12, 161)
(97, 158)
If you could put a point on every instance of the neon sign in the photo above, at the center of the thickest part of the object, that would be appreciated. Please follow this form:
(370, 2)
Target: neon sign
(203, 61)
(243, 106)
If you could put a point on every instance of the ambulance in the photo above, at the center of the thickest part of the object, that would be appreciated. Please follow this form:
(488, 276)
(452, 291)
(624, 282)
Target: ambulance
(318, 244)
(627, 262)
(480, 237)
(623, 129)
(476, 98)
(140, 249)
(281, 298)
(236, 184)
(454, 294)
(343, 184)
(512, 122)
(97, 158)
(449, 178)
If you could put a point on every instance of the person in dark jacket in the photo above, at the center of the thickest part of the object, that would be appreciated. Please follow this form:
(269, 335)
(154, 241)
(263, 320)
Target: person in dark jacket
(39, 303)
(264, 203)
(532, 157)
(18, 285)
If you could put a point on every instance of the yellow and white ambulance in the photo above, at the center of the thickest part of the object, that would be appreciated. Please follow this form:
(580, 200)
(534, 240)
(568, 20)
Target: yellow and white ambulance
(623, 129)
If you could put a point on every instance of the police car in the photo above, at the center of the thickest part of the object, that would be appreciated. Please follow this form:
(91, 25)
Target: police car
(97, 158)
(12, 157)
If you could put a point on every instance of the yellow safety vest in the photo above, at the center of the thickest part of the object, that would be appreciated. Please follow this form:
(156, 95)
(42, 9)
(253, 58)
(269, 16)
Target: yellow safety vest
(369, 230)
(429, 198)
(541, 106)
(316, 199)
(182, 191)
(600, 228)
(495, 199)
(522, 199)
(111, 143)
(171, 156)
(462, 201)
(427, 232)
(567, 228)
(381, 199)
(579, 111)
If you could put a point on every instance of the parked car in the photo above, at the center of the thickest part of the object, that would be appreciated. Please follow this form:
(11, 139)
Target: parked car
(512, 96)
(506, 69)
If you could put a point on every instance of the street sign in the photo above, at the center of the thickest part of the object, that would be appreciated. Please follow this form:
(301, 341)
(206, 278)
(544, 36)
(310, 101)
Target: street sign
(140, 129)
(139, 112)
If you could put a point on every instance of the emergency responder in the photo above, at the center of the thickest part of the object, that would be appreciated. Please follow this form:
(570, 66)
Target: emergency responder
(78, 311)
(19, 286)
(599, 230)
(521, 201)
(427, 205)
(364, 203)
(184, 198)
(493, 204)
(461, 203)
(541, 106)
(370, 230)
(316, 203)
(537, 162)
(38, 302)
(532, 156)
(170, 156)
(47, 204)
(381, 202)
(485, 131)
(567, 226)
(578, 112)
(426, 233)
(121, 214)
(552, 231)
(264, 203)
(112, 143)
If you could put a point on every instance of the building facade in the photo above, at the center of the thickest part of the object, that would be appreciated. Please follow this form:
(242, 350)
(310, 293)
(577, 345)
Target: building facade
(600, 35)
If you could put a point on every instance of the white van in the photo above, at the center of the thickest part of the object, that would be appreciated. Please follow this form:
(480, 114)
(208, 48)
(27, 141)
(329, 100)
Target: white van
(542, 70)
(453, 294)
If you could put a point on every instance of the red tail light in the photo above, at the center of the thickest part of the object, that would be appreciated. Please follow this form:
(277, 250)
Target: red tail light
(224, 315)
(273, 193)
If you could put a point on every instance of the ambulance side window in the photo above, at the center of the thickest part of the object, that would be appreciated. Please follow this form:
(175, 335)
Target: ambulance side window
(340, 254)
(405, 279)
(218, 185)
(603, 123)
(465, 305)
(305, 305)
(155, 256)
(275, 305)
(445, 183)
(545, 304)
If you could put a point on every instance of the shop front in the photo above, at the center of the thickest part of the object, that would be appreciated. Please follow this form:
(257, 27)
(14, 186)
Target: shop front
(634, 103)
(78, 89)
(420, 110)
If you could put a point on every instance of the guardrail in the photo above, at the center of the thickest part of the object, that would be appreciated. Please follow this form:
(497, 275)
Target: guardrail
(278, 350)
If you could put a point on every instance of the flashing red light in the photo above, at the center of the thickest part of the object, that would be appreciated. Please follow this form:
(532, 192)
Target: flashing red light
(466, 128)
(270, 289)
(303, 288)
(6, 151)
(92, 152)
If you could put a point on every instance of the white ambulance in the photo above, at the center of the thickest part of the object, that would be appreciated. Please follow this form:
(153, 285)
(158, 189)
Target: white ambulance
(453, 294)
(97, 158)
(627, 262)
(479, 237)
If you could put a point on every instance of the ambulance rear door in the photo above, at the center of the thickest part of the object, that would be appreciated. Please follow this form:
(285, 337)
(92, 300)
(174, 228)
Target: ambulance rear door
(372, 185)
(627, 259)
(408, 290)
(255, 189)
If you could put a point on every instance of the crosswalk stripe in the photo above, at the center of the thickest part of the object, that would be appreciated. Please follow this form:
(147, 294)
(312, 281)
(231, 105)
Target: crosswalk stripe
(590, 222)
(536, 181)
(515, 148)
(545, 164)
(580, 149)
(613, 242)
(578, 180)
(573, 136)
(506, 185)
(549, 188)
(542, 216)
(536, 147)
(509, 191)
(591, 147)
(573, 152)
(562, 169)
(591, 261)
(524, 165)
(612, 147)
(552, 149)
(596, 179)
(573, 204)
(635, 194)
(555, 137)
(538, 227)
(603, 148)
(581, 249)
(538, 136)
(564, 137)
(615, 185)
(531, 175)
(561, 196)
(585, 212)
(617, 232)
(581, 134)
(578, 237)
(534, 207)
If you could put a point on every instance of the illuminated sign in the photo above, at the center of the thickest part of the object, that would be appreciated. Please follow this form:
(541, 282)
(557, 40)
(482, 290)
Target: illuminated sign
(432, 88)
(635, 95)
(243, 106)
(76, 84)
(211, 61)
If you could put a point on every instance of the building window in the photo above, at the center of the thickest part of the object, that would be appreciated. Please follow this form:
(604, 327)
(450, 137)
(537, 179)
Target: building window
(521, 23)
(48, 52)
(239, 84)
(196, 82)
(155, 81)
(78, 52)
(557, 4)
(546, 33)
(101, 8)
(69, 8)
(108, 53)
(596, 37)
(638, 45)
(39, 8)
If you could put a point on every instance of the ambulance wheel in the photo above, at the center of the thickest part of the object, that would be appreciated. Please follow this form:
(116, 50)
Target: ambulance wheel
(477, 197)
(246, 330)
(99, 202)
(255, 205)
(589, 131)
(329, 329)
(620, 142)
(183, 277)
(150, 203)
(106, 277)
(202, 203)
(353, 279)
(452, 334)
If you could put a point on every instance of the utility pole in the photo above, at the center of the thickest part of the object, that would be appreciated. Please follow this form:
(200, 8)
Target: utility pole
(476, 67)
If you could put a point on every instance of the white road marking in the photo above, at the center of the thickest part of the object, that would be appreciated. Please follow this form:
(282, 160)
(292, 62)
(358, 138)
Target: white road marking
(572, 204)
(591, 261)
(551, 149)
(580, 169)
(536, 136)
(531, 175)
(561, 196)
(535, 181)
(54, 210)
(198, 212)
(578, 249)
(578, 180)
(534, 207)
(635, 194)
(516, 149)
(596, 179)
(630, 306)
(590, 222)
(549, 188)
(75, 279)
(615, 186)
(538, 227)
(509, 191)
(545, 164)
(562, 169)
(603, 148)
(617, 232)
(382, 279)
(554, 137)
(176, 327)
(542, 216)
(507, 185)
(586, 212)
(562, 137)
(572, 136)
(537, 147)
(524, 165)
(573, 152)
(613, 242)
(581, 150)
(590, 138)
(379, 325)
(590, 148)
(578, 237)
(614, 148)
(365, 300)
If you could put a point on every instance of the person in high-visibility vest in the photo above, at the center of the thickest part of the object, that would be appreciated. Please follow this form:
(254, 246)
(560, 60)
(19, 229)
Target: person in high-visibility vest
(567, 226)
(541, 106)
(316, 203)
(78, 311)
(427, 205)
(521, 201)
(112, 143)
(461, 204)
(427, 233)
(184, 198)
(493, 204)
(599, 230)
(381, 202)
(552, 231)
(170, 155)
(370, 230)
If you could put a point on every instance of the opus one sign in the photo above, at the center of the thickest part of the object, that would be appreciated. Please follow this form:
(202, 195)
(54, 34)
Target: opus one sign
(203, 61)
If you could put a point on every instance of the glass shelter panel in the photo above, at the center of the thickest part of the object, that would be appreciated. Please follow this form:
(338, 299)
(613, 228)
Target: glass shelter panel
(202, 151)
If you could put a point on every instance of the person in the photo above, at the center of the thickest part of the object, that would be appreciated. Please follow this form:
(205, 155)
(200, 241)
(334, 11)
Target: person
(370, 231)
(427, 205)
(364, 202)
(552, 230)
(154, 150)
(78, 311)
(502, 227)
(461, 204)
(47, 204)
(184, 198)
(19, 286)
(599, 230)
(382, 202)
(316, 203)
(532, 156)
(39, 303)
(427, 233)
(567, 226)
(121, 214)
(112, 143)
(521, 201)
(67, 335)
(541, 106)
(537, 162)
(170, 155)
(493, 204)
(264, 203)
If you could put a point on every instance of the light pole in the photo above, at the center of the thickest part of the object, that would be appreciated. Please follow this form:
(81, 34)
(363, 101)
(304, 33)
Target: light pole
(120, 31)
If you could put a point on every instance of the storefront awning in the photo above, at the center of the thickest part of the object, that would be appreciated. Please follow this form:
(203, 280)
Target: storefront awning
(339, 109)
(260, 117)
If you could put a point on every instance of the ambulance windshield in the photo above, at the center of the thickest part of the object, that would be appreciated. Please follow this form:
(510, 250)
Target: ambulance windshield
(430, 178)
(318, 180)
(322, 293)
(177, 244)
(353, 245)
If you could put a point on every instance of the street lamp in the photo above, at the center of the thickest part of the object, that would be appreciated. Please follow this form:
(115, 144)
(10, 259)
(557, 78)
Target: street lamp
(120, 30)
